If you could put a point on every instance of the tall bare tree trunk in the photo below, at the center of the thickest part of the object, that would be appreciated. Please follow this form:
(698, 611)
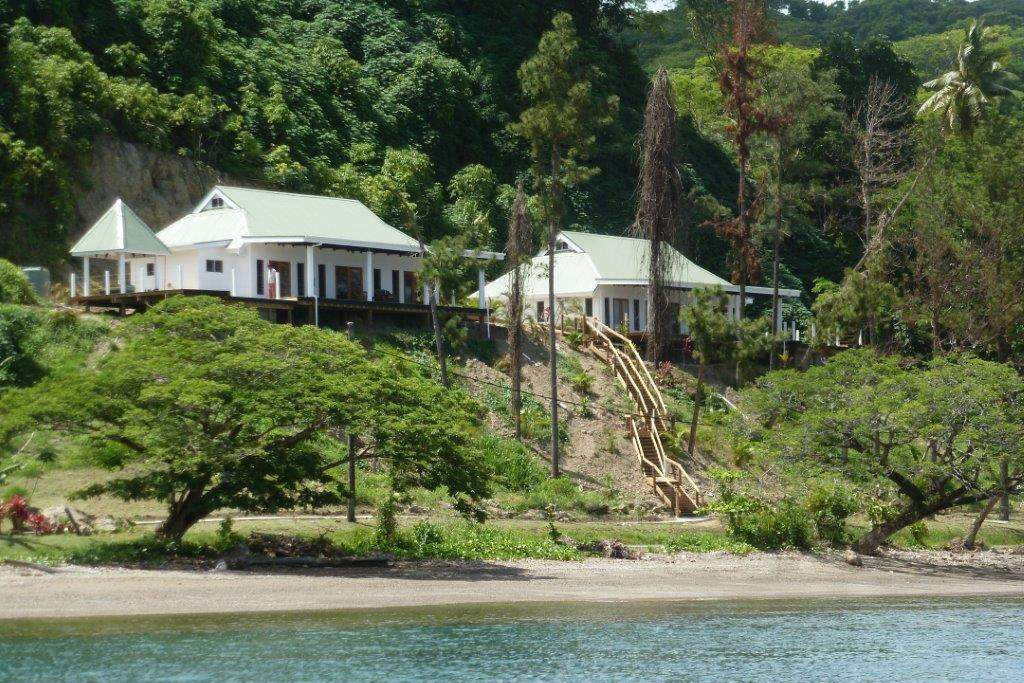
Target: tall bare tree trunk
(1004, 499)
(698, 399)
(972, 535)
(516, 352)
(553, 224)
(517, 249)
(442, 361)
(658, 212)
(775, 252)
(744, 226)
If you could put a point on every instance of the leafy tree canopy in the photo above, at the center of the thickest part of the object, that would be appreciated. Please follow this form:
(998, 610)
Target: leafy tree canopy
(922, 437)
(206, 406)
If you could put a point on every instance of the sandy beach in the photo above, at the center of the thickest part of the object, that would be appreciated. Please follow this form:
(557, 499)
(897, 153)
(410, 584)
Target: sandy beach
(81, 591)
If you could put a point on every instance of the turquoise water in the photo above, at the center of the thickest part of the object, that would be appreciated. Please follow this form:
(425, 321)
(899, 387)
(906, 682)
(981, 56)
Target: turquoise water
(907, 640)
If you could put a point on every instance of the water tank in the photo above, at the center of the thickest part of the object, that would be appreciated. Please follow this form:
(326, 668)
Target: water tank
(39, 278)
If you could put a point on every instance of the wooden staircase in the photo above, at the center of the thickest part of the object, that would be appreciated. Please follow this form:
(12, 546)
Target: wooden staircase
(666, 476)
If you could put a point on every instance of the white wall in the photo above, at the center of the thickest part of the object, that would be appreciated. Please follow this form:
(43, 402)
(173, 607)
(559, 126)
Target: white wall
(329, 258)
(612, 292)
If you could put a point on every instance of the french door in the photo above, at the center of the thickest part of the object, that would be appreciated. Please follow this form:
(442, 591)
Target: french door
(348, 282)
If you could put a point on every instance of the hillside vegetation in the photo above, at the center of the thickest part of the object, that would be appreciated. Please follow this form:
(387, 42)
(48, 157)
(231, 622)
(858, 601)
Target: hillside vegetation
(667, 39)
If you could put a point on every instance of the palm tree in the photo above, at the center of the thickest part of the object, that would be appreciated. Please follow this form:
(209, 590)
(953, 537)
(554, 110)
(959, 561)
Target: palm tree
(962, 95)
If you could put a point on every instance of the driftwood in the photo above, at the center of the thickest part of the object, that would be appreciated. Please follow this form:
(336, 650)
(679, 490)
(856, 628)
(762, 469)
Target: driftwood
(307, 562)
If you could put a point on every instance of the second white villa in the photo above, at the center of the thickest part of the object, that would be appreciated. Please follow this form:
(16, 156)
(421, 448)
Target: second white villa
(607, 277)
(279, 251)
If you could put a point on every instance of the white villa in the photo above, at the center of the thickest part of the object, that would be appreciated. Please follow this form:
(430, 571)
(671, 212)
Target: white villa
(277, 250)
(606, 277)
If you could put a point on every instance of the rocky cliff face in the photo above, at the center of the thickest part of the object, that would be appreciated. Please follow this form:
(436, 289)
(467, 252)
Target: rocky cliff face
(159, 186)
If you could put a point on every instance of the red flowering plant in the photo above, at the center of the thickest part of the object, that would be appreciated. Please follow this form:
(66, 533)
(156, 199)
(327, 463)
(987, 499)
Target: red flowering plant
(17, 510)
(24, 517)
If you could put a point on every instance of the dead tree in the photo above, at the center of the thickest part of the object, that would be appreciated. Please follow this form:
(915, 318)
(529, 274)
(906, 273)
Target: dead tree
(517, 249)
(879, 157)
(659, 208)
(738, 84)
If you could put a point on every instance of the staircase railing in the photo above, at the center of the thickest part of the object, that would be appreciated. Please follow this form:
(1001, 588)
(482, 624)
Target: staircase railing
(632, 373)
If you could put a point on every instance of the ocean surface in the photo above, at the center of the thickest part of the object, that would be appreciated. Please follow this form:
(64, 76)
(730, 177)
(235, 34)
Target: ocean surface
(933, 640)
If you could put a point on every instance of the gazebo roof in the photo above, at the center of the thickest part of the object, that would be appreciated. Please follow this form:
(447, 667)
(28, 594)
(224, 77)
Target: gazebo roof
(119, 230)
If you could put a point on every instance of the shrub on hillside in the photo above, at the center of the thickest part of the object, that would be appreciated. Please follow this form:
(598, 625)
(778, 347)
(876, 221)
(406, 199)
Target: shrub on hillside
(512, 465)
(18, 363)
(14, 286)
(763, 522)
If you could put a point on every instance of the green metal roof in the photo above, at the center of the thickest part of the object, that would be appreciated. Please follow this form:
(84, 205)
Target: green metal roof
(627, 258)
(265, 215)
(284, 214)
(119, 229)
(206, 226)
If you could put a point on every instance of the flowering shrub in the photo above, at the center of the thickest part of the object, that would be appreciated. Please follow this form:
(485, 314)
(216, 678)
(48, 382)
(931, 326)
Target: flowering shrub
(23, 516)
(39, 524)
(17, 510)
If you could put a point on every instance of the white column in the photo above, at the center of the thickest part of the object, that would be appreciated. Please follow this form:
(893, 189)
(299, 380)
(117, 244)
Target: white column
(426, 291)
(85, 277)
(140, 285)
(158, 270)
(106, 282)
(122, 277)
(181, 277)
(368, 276)
(74, 286)
(311, 289)
(234, 291)
(481, 281)
(401, 287)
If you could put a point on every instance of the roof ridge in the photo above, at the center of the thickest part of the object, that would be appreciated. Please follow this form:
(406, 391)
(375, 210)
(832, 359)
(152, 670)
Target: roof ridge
(601, 234)
(292, 194)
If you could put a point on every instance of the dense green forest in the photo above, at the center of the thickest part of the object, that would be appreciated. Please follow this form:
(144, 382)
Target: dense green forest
(305, 95)
(666, 39)
(337, 98)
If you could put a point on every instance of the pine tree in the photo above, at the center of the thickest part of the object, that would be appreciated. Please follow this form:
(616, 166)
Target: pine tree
(561, 126)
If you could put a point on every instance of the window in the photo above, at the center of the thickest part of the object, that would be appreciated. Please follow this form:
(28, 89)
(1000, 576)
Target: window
(607, 312)
(540, 310)
(321, 281)
(259, 276)
(588, 307)
(217, 203)
(300, 275)
(376, 281)
(216, 265)
(636, 314)
(394, 285)
(150, 269)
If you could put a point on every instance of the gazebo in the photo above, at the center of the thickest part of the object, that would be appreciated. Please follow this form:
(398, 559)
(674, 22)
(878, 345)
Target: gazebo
(119, 234)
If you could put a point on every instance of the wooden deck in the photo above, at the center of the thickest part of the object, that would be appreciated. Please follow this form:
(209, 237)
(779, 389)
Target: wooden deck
(289, 309)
